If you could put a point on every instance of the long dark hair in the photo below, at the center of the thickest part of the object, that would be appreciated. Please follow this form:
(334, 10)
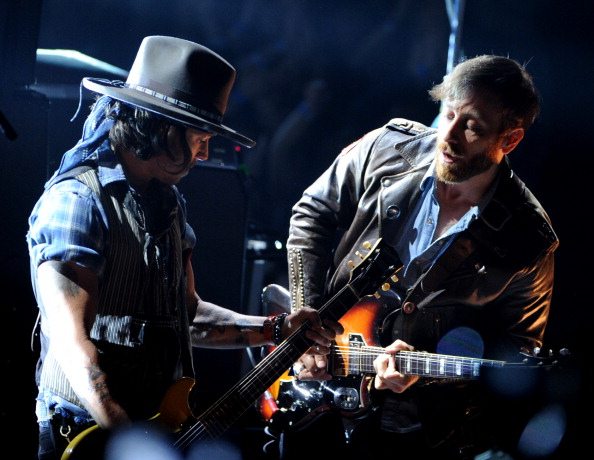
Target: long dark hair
(144, 132)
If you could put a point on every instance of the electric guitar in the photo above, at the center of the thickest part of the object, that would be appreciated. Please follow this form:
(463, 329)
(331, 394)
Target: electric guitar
(176, 416)
(350, 362)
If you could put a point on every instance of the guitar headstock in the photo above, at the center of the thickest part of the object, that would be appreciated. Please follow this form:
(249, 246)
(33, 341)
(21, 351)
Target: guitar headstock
(378, 265)
(540, 357)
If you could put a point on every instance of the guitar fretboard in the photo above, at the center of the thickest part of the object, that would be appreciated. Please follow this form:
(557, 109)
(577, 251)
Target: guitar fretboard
(365, 279)
(359, 360)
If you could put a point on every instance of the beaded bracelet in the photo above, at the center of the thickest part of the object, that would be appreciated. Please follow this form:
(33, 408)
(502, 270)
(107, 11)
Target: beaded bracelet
(277, 328)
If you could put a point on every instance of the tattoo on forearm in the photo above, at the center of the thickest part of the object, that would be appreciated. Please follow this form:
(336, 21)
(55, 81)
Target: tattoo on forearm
(205, 329)
(98, 385)
(211, 333)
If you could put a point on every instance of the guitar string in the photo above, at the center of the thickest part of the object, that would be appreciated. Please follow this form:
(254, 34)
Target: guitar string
(200, 427)
(416, 360)
(421, 355)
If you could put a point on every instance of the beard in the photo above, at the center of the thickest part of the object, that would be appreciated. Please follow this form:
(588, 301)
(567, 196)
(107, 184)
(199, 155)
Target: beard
(464, 168)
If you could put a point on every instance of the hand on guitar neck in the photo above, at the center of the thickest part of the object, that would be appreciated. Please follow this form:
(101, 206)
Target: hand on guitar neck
(300, 401)
(175, 414)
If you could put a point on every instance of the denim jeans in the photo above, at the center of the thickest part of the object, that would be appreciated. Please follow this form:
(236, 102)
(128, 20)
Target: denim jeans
(59, 422)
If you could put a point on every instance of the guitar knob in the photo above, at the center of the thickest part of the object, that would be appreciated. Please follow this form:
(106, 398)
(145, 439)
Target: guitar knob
(386, 287)
(351, 264)
(366, 245)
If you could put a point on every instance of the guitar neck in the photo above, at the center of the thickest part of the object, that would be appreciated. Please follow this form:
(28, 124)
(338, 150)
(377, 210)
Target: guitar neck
(224, 412)
(360, 361)
(212, 423)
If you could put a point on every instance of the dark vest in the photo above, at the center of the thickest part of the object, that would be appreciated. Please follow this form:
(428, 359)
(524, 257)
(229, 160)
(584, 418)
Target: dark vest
(141, 327)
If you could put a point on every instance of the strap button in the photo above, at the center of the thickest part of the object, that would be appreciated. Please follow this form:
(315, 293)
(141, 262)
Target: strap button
(392, 212)
(408, 307)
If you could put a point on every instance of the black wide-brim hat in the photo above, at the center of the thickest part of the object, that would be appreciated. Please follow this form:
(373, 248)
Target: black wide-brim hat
(178, 79)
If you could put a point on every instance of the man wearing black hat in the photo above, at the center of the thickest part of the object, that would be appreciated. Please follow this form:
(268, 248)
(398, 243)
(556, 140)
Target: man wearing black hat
(110, 249)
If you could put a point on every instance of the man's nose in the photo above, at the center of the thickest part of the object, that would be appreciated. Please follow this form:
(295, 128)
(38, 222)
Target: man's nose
(202, 151)
(450, 130)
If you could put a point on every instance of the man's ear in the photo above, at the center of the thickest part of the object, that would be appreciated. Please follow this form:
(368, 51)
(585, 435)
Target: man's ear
(511, 139)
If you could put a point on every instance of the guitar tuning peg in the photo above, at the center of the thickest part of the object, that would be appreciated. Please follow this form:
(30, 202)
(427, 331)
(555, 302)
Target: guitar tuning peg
(377, 295)
(386, 287)
(357, 253)
(394, 278)
(536, 351)
(366, 245)
(351, 264)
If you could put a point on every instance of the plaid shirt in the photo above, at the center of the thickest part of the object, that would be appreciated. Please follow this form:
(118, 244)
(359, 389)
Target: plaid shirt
(68, 223)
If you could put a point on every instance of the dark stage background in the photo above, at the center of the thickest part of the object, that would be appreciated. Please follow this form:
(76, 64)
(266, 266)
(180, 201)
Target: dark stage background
(312, 77)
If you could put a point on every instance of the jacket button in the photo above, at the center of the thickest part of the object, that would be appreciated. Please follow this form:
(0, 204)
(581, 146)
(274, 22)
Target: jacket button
(392, 212)
(408, 307)
(386, 182)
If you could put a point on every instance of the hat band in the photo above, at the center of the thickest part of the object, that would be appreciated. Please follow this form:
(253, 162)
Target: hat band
(181, 104)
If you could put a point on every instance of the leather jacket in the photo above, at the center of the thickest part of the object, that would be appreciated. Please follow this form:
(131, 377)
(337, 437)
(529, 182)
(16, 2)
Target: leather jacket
(502, 289)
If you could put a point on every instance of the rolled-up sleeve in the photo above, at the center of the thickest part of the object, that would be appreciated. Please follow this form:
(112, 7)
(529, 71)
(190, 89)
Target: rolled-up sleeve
(67, 224)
